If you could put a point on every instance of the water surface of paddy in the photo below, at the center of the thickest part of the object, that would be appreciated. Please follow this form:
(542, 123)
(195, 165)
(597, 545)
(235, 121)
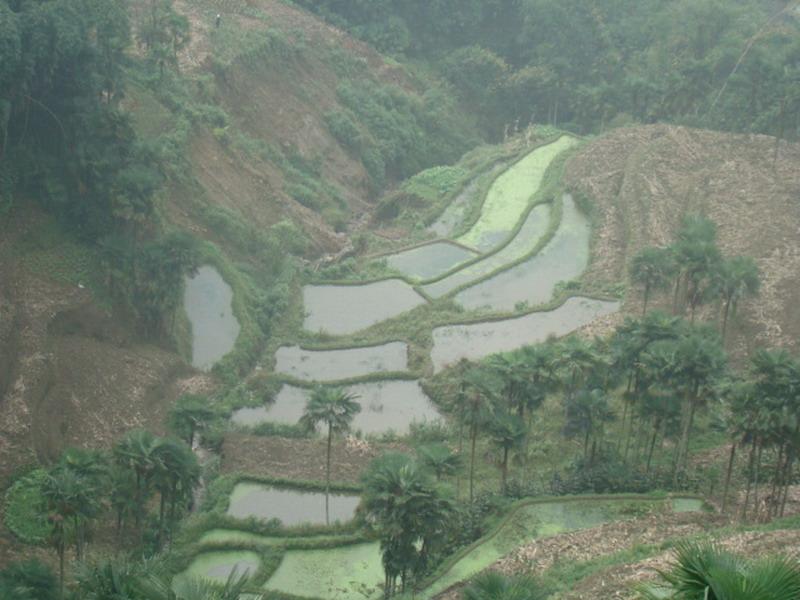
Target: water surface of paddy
(528, 237)
(510, 194)
(478, 340)
(564, 258)
(332, 365)
(345, 309)
(385, 406)
(342, 573)
(291, 507)
(429, 261)
(217, 566)
(207, 300)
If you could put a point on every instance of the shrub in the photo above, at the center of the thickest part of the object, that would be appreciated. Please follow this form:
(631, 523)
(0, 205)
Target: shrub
(24, 515)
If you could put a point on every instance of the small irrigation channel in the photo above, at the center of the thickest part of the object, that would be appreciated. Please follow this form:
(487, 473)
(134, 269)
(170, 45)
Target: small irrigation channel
(526, 237)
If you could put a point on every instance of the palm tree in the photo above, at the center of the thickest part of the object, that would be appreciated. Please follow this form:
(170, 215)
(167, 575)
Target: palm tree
(479, 406)
(698, 361)
(190, 414)
(175, 476)
(336, 409)
(29, 580)
(159, 587)
(736, 278)
(697, 259)
(705, 572)
(136, 452)
(574, 359)
(653, 269)
(69, 500)
(410, 513)
(440, 459)
(491, 585)
(508, 433)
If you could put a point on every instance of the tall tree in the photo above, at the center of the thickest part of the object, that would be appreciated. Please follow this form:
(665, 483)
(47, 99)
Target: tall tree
(507, 432)
(653, 269)
(410, 514)
(735, 279)
(335, 409)
(190, 414)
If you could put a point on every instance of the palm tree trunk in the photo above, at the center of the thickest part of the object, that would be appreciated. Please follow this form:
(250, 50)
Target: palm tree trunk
(646, 298)
(474, 436)
(751, 462)
(787, 482)
(656, 427)
(725, 319)
(728, 477)
(328, 476)
(61, 551)
(504, 472)
(755, 485)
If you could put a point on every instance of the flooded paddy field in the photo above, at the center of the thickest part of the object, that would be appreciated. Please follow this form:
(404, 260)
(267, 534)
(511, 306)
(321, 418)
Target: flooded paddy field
(478, 340)
(385, 406)
(208, 302)
(510, 195)
(429, 261)
(290, 507)
(534, 281)
(332, 365)
(346, 309)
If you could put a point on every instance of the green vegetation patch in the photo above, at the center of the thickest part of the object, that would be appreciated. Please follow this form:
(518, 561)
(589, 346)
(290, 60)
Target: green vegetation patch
(435, 182)
(236, 536)
(510, 194)
(336, 574)
(23, 514)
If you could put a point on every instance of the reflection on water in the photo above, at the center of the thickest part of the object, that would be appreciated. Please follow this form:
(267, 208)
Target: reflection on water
(208, 300)
(564, 258)
(331, 365)
(385, 406)
(289, 506)
(478, 340)
(343, 309)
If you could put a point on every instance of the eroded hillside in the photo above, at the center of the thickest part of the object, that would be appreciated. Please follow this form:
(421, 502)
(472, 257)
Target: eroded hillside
(644, 180)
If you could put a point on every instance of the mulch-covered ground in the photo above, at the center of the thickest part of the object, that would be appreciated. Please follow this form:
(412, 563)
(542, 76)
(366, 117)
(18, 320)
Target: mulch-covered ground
(301, 459)
(643, 180)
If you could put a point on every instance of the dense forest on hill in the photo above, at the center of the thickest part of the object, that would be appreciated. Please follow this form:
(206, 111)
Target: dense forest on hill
(723, 64)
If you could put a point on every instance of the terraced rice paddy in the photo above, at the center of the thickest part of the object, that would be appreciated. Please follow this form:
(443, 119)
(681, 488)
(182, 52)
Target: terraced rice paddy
(217, 566)
(533, 282)
(537, 521)
(478, 340)
(332, 365)
(385, 406)
(341, 573)
(290, 507)
(429, 261)
(529, 236)
(345, 309)
(207, 300)
(510, 195)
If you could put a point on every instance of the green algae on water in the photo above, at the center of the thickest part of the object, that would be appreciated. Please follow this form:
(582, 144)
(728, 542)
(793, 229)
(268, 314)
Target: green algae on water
(509, 196)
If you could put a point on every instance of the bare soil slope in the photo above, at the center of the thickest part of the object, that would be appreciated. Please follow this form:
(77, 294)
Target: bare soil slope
(643, 180)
